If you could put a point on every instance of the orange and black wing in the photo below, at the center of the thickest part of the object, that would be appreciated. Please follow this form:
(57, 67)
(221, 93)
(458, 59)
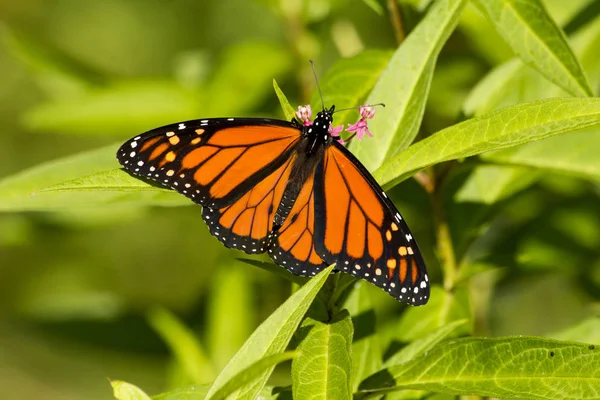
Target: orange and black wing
(360, 229)
(293, 243)
(236, 169)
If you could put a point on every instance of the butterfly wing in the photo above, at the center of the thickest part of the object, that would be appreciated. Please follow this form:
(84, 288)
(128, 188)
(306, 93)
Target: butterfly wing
(293, 244)
(362, 231)
(236, 168)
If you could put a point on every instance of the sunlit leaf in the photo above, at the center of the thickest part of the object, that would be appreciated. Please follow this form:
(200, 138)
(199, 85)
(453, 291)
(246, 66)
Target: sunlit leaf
(534, 36)
(250, 374)
(127, 391)
(500, 129)
(511, 367)
(271, 337)
(323, 366)
(288, 110)
(404, 86)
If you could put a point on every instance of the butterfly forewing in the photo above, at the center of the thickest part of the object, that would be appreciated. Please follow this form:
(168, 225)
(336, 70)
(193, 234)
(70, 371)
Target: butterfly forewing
(212, 161)
(363, 232)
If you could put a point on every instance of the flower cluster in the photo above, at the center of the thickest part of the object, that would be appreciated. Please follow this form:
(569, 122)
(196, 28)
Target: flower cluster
(359, 129)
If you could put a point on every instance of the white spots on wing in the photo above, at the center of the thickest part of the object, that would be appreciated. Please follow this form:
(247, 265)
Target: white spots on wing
(169, 134)
(132, 154)
(426, 278)
(181, 126)
(187, 185)
(392, 285)
(423, 285)
(152, 169)
(398, 217)
(357, 266)
(229, 119)
(137, 138)
(416, 290)
(384, 195)
(133, 145)
(140, 163)
(408, 237)
(403, 290)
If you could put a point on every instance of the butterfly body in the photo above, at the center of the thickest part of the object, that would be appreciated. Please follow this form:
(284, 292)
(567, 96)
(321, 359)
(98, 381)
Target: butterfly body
(286, 189)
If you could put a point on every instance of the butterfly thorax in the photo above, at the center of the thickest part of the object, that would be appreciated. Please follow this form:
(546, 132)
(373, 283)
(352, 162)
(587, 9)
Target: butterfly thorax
(318, 133)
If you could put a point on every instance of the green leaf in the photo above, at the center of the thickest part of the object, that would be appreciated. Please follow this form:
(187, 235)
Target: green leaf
(500, 129)
(443, 308)
(83, 180)
(251, 373)
(127, 391)
(288, 110)
(322, 369)
(420, 346)
(183, 344)
(231, 294)
(366, 347)
(404, 86)
(348, 83)
(510, 367)
(128, 108)
(489, 184)
(194, 392)
(575, 153)
(538, 41)
(271, 337)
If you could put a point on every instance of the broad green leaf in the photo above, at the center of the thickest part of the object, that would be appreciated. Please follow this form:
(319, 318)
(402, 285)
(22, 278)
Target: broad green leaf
(251, 373)
(198, 392)
(288, 110)
(489, 184)
(194, 392)
(348, 83)
(366, 346)
(82, 180)
(404, 86)
(574, 153)
(500, 129)
(231, 294)
(271, 337)
(183, 344)
(514, 82)
(510, 367)
(420, 346)
(127, 391)
(443, 308)
(323, 367)
(534, 36)
(125, 108)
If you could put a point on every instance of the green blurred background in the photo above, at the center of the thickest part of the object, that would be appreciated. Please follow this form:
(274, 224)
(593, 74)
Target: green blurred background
(76, 285)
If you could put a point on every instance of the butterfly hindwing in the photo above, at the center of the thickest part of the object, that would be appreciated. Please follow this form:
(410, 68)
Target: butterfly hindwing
(363, 232)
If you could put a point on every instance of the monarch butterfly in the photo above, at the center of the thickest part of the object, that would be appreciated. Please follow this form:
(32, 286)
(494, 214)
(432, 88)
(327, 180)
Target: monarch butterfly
(288, 189)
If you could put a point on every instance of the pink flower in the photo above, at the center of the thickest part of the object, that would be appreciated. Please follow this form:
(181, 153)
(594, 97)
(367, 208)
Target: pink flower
(361, 128)
(335, 133)
(304, 113)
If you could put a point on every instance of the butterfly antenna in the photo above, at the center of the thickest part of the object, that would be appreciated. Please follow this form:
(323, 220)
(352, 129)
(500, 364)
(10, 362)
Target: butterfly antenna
(366, 105)
(312, 64)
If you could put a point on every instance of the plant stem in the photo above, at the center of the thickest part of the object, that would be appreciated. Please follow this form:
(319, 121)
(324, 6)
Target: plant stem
(396, 17)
